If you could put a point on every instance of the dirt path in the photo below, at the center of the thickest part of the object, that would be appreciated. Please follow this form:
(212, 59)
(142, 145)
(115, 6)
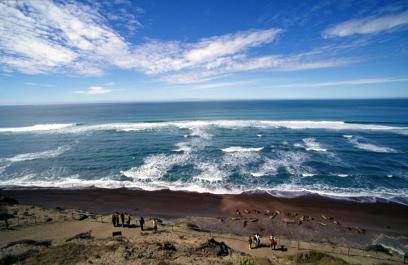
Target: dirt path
(58, 232)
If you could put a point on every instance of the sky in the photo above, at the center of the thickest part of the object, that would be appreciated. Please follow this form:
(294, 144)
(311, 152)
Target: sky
(121, 50)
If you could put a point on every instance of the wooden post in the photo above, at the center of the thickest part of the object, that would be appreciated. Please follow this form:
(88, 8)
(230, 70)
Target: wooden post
(348, 252)
(298, 245)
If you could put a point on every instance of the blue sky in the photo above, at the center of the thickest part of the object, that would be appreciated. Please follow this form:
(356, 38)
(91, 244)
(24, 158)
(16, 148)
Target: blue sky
(102, 51)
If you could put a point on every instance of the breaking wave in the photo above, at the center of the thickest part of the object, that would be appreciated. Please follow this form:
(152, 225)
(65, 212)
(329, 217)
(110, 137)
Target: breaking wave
(155, 166)
(198, 127)
(234, 149)
(371, 147)
(38, 155)
(6, 162)
(310, 144)
(38, 128)
(289, 190)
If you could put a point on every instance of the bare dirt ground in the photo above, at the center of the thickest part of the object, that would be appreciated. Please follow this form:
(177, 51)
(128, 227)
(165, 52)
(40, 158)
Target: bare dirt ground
(65, 236)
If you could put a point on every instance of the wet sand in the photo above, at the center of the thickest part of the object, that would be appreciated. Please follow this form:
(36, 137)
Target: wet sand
(174, 204)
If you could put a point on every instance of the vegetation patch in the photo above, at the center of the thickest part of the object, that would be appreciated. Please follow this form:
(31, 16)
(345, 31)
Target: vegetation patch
(318, 258)
(379, 248)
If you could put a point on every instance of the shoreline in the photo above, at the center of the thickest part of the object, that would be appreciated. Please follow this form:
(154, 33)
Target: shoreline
(173, 204)
(361, 199)
(312, 218)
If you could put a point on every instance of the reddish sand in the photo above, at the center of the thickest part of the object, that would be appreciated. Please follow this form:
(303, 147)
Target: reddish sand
(173, 204)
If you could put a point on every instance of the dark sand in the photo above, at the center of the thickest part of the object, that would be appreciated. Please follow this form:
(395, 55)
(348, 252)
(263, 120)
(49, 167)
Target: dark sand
(175, 204)
(336, 221)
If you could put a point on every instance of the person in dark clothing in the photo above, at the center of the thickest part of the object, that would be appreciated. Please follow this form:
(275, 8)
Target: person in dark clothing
(128, 220)
(122, 218)
(117, 219)
(141, 221)
(114, 219)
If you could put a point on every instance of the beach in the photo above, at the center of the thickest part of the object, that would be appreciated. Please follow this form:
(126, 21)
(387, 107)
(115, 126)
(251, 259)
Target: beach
(315, 221)
(337, 221)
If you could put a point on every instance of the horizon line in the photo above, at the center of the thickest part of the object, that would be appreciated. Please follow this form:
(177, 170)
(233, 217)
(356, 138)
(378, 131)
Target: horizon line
(197, 100)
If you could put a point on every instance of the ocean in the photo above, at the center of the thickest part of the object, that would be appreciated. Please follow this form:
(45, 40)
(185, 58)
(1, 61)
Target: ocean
(346, 149)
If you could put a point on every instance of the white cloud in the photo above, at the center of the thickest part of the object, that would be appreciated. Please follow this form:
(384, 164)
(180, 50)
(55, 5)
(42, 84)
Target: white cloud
(262, 63)
(367, 25)
(43, 36)
(64, 36)
(343, 82)
(94, 90)
(156, 57)
(215, 47)
(37, 84)
(220, 85)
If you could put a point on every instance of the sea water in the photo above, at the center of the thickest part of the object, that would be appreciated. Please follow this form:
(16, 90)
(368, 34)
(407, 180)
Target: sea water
(348, 149)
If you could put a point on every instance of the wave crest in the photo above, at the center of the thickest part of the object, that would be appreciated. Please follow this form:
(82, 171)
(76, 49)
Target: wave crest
(234, 149)
(38, 127)
(371, 147)
(197, 127)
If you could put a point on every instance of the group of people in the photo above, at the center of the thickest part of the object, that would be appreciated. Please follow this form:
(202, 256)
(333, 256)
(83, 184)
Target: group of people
(256, 238)
(124, 220)
(118, 218)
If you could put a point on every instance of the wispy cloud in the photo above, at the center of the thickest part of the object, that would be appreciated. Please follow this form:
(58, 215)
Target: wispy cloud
(44, 36)
(343, 82)
(37, 84)
(94, 90)
(367, 25)
(276, 63)
(220, 85)
(111, 83)
(64, 36)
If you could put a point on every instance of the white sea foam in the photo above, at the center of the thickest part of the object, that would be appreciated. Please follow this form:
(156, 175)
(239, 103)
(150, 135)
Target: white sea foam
(291, 161)
(281, 190)
(198, 127)
(288, 189)
(307, 175)
(210, 172)
(156, 166)
(310, 144)
(342, 175)
(38, 155)
(269, 167)
(38, 127)
(73, 181)
(183, 147)
(8, 161)
(348, 136)
(257, 174)
(371, 147)
(234, 149)
(239, 160)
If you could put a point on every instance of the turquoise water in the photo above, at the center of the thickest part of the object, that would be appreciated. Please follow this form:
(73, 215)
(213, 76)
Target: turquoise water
(349, 149)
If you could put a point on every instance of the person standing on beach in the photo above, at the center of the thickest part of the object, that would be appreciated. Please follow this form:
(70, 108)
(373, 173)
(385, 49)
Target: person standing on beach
(141, 221)
(114, 219)
(250, 242)
(272, 242)
(128, 220)
(122, 218)
(257, 240)
(154, 225)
